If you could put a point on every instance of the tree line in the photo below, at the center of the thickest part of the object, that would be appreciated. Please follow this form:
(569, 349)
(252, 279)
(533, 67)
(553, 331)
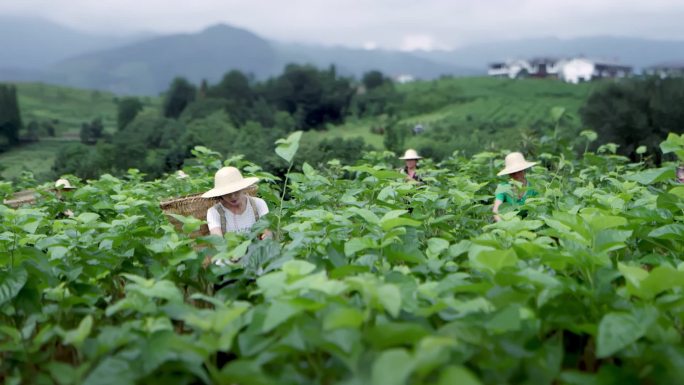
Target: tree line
(240, 115)
(237, 115)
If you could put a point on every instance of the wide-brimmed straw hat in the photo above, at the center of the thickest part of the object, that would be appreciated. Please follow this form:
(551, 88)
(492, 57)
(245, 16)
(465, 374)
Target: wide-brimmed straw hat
(228, 180)
(411, 154)
(63, 184)
(515, 162)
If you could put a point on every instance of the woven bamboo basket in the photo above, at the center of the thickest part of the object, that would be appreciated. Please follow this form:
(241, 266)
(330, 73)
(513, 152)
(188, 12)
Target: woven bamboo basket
(191, 205)
(26, 197)
(195, 206)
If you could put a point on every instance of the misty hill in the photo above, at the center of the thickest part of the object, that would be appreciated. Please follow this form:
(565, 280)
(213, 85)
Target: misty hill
(148, 67)
(34, 44)
(355, 62)
(635, 52)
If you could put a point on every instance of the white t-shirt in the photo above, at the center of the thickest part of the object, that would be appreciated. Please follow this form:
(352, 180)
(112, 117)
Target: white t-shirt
(237, 223)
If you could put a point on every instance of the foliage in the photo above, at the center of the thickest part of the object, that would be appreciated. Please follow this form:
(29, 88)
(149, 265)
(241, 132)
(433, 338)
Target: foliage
(636, 112)
(127, 109)
(584, 290)
(180, 94)
(91, 132)
(313, 97)
(10, 116)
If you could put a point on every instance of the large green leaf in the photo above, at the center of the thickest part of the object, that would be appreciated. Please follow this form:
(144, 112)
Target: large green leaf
(392, 367)
(78, 335)
(652, 175)
(11, 282)
(617, 330)
(287, 148)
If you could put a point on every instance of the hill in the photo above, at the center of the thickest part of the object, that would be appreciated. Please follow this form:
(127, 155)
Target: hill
(148, 67)
(631, 51)
(36, 44)
(66, 109)
(464, 106)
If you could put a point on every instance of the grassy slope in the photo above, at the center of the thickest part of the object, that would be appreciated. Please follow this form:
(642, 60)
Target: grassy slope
(67, 108)
(513, 103)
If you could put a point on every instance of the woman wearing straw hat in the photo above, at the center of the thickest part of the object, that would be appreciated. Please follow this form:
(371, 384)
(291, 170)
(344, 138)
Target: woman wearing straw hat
(515, 193)
(63, 185)
(236, 211)
(411, 158)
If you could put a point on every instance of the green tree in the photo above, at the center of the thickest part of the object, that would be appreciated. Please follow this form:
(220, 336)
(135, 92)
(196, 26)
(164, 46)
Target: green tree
(10, 116)
(312, 97)
(180, 94)
(92, 131)
(127, 109)
(636, 112)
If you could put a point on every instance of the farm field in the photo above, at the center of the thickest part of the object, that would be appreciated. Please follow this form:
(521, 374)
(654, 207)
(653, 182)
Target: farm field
(368, 280)
(510, 105)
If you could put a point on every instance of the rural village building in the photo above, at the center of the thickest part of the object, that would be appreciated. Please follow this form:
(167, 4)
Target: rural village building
(666, 70)
(574, 70)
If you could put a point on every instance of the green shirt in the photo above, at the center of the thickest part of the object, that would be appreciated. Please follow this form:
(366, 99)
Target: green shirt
(506, 193)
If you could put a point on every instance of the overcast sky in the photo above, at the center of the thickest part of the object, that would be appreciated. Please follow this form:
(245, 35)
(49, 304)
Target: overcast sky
(405, 24)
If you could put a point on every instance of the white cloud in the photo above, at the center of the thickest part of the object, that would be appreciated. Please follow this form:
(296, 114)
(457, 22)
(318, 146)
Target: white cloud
(405, 24)
(421, 42)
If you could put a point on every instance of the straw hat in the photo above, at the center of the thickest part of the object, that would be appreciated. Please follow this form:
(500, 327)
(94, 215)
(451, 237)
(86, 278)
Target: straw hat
(515, 162)
(63, 184)
(411, 154)
(228, 180)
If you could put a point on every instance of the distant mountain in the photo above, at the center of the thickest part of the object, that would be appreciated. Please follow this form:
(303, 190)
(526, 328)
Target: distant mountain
(38, 50)
(35, 44)
(635, 52)
(149, 66)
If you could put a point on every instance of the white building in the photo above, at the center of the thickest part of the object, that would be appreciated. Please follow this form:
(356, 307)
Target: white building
(573, 70)
(577, 70)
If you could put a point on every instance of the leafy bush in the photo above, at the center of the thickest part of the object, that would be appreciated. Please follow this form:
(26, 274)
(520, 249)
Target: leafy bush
(354, 289)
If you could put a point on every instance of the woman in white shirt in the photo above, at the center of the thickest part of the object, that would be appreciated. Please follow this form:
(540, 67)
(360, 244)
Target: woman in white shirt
(236, 211)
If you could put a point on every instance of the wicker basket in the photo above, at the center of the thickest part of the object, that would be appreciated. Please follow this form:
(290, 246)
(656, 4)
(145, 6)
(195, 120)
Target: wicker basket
(26, 197)
(191, 205)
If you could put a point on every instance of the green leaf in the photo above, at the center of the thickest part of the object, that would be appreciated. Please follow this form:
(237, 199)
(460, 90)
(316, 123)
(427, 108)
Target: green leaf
(652, 175)
(494, 260)
(77, 336)
(641, 150)
(278, 312)
(298, 268)
(11, 282)
(111, 371)
(458, 375)
(366, 214)
(87, 217)
(436, 246)
(389, 224)
(589, 134)
(392, 367)
(390, 297)
(355, 245)
(343, 317)
(557, 113)
(673, 231)
(506, 320)
(287, 148)
(190, 223)
(617, 330)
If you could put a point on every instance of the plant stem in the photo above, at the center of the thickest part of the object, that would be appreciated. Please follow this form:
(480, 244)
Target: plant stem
(282, 199)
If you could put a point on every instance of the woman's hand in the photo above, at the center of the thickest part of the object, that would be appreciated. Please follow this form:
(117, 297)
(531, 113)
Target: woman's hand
(266, 234)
